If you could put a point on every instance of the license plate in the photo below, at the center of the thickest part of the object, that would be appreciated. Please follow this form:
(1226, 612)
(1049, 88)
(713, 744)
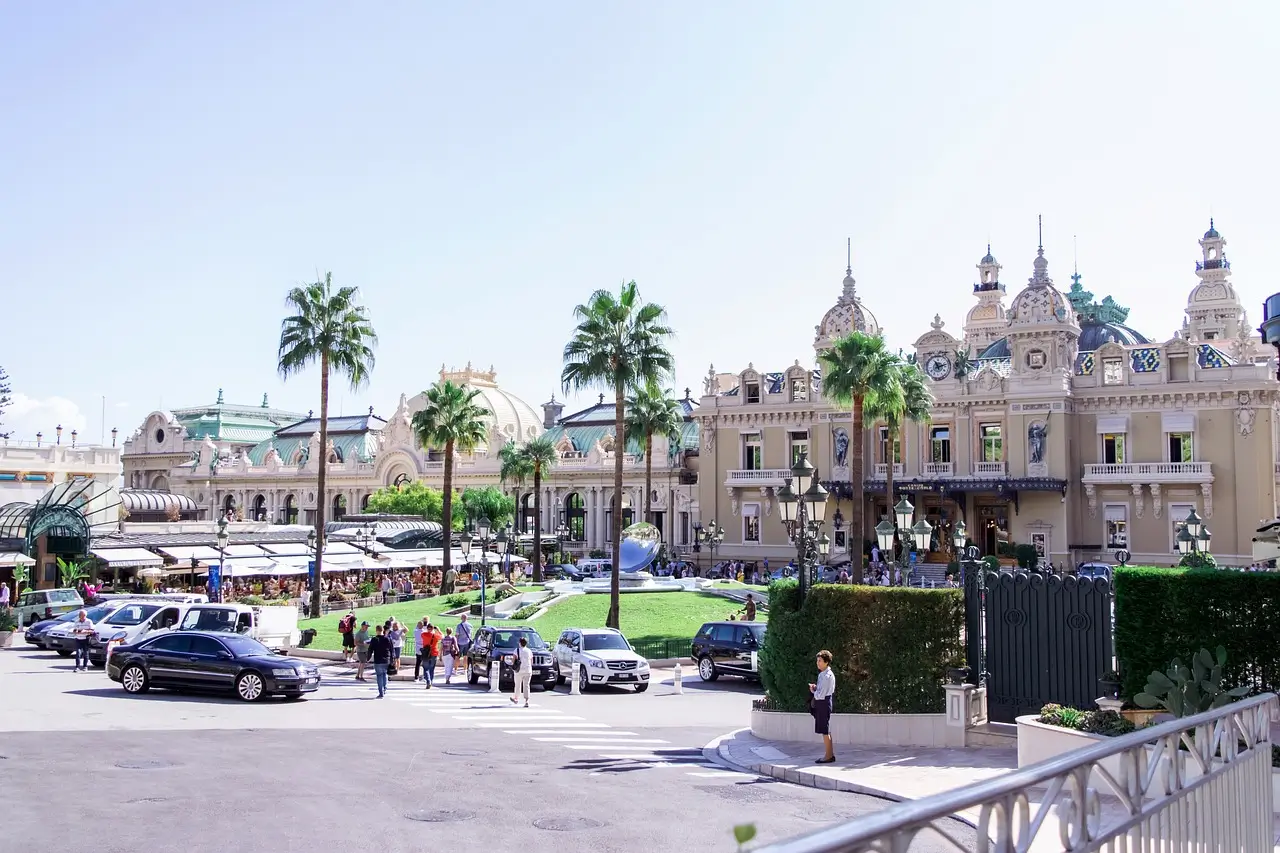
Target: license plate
(626, 676)
(312, 680)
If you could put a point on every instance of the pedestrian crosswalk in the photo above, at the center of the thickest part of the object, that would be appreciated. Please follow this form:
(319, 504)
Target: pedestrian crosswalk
(599, 747)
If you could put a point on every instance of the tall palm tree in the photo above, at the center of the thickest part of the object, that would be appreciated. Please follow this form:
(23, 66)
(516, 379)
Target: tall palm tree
(907, 399)
(539, 456)
(451, 420)
(514, 468)
(331, 328)
(652, 411)
(620, 343)
(857, 366)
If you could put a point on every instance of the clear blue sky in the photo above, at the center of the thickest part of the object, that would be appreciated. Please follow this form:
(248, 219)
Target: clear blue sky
(170, 169)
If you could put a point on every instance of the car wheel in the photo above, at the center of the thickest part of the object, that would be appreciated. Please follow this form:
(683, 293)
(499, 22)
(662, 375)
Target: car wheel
(559, 677)
(249, 686)
(707, 669)
(134, 679)
(472, 678)
(640, 688)
(583, 681)
(63, 654)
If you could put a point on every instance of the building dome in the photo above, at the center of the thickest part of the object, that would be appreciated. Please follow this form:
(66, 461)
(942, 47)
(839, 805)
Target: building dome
(988, 258)
(847, 315)
(1092, 336)
(512, 416)
(1219, 290)
(1212, 233)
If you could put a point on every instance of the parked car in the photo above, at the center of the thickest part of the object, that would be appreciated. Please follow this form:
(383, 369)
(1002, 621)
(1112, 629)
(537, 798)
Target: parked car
(35, 633)
(500, 644)
(132, 622)
(1093, 570)
(61, 637)
(563, 571)
(37, 604)
(216, 662)
(275, 627)
(605, 657)
(724, 648)
(594, 567)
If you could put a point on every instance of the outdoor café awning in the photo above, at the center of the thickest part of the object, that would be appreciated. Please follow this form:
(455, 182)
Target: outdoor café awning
(186, 552)
(246, 551)
(290, 549)
(9, 559)
(127, 558)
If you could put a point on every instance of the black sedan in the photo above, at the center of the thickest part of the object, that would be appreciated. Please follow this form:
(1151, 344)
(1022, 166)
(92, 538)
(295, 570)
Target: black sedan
(216, 662)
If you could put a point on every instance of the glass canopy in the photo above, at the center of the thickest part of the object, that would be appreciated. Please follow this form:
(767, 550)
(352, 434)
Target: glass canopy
(75, 509)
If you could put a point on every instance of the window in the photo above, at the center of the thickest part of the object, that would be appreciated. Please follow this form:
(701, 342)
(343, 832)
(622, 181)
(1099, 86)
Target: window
(1113, 448)
(884, 447)
(1112, 371)
(207, 646)
(170, 644)
(1178, 368)
(992, 442)
(799, 390)
(751, 523)
(1208, 336)
(799, 444)
(1117, 521)
(1180, 448)
(753, 392)
(1178, 518)
(751, 452)
(684, 528)
(940, 444)
(159, 436)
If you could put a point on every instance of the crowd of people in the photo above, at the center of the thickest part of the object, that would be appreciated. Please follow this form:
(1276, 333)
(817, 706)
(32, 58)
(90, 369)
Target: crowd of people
(384, 645)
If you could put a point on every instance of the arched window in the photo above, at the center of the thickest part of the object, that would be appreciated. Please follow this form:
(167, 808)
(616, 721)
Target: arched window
(339, 506)
(291, 509)
(528, 517)
(260, 508)
(364, 503)
(229, 504)
(575, 517)
(400, 480)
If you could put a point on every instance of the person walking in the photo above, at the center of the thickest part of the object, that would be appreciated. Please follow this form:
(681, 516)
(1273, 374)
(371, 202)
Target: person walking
(824, 692)
(347, 627)
(430, 653)
(380, 651)
(449, 648)
(523, 666)
(82, 631)
(362, 650)
(396, 636)
(464, 636)
(417, 657)
(386, 589)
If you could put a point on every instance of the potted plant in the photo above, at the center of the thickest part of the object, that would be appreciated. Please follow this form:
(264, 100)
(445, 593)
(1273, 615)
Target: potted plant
(8, 627)
(1109, 683)
(958, 675)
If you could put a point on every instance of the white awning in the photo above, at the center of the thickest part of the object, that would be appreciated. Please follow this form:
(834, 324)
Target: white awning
(15, 558)
(240, 564)
(241, 569)
(299, 549)
(186, 552)
(246, 551)
(125, 558)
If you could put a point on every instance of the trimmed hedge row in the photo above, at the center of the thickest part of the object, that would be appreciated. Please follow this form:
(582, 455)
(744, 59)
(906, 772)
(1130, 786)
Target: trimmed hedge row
(1162, 614)
(892, 646)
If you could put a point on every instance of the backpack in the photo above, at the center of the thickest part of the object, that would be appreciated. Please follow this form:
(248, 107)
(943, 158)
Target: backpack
(346, 624)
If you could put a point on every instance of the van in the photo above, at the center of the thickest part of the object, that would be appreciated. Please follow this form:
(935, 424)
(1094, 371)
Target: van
(595, 568)
(276, 627)
(131, 622)
(37, 604)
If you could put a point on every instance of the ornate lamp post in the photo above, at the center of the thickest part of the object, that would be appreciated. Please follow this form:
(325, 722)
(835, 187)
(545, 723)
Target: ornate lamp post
(1194, 537)
(804, 509)
(222, 539)
(711, 535)
(311, 567)
(483, 529)
(920, 533)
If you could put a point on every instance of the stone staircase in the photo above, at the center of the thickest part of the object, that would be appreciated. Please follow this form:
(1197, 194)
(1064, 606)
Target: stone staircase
(929, 574)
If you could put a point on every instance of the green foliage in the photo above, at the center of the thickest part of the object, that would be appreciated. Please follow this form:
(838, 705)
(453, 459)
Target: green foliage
(1185, 692)
(367, 590)
(1198, 560)
(1106, 723)
(489, 502)
(5, 390)
(252, 600)
(953, 569)
(526, 612)
(743, 833)
(502, 593)
(21, 578)
(415, 498)
(70, 571)
(651, 411)
(8, 620)
(1163, 613)
(457, 599)
(892, 647)
(452, 421)
(597, 554)
(1025, 555)
(992, 563)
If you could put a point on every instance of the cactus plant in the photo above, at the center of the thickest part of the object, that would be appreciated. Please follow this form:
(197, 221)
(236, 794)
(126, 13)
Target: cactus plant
(1184, 691)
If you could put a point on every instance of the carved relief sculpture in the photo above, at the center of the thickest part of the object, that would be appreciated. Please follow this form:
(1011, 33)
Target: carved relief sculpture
(1138, 507)
(1157, 502)
(1245, 415)
(1206, 492)
(1091, 493)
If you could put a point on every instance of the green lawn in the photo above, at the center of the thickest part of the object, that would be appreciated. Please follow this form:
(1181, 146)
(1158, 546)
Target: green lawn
(646, 616)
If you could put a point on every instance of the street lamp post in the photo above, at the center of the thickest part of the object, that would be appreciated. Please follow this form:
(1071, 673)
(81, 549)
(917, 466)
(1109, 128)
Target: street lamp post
(920, 532)
(711, 535)
(804, 510)
(312, 574)
(222, 539)
(483, 528)
(1194, 537)
(974, 607)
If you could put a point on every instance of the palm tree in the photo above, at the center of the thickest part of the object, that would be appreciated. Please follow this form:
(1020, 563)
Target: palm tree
(514, 468)
(856, 367)
(620, 343)
(907, 399)
(538, 455)
(452, 420)
(652, 411)
(330, 328)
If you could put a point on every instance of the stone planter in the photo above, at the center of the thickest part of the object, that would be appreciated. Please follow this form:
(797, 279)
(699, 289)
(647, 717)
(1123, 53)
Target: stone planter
(1110, 689)
(1140, 716)
(922, 730)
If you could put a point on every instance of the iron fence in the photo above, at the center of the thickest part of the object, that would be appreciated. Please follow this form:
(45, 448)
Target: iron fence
(661, 649)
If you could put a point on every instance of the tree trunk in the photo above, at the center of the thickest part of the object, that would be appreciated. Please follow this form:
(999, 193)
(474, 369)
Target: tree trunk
(615, 523)
(446, 509)
(537, 529)
(857, 523)
(320, 484)
(648, 474)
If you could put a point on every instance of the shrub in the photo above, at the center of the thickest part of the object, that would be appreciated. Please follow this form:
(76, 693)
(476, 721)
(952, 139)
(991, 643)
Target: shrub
(1163, 614)
(252, 600)
(366, 589)
(502, 593)
(1198, 560)
(1026, 556)
(992, 562)
(8, 621)
(526, 611)
(891, 646)
(458, 599)
(1106, 723)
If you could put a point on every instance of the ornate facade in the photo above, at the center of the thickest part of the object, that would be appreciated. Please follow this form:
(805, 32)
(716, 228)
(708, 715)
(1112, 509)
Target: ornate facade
(1055, 425)
(265, 468)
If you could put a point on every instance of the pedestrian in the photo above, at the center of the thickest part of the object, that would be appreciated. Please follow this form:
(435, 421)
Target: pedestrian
(464, 636)
(417, 657)
(4, 595)
(522, 663)
(362, 650)
(430, 652)
(82, 631)
(386, 589)
(396, 636)
(347, 626)
(380, 651)
(824, 692)
(449, 648)
(750, 608)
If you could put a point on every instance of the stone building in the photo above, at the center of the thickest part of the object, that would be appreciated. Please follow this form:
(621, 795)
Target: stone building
(1055, 424)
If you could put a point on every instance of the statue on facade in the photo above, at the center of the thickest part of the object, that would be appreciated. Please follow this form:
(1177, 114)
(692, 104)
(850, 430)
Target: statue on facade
(840, 441)
(709, 383)
(1036, 435)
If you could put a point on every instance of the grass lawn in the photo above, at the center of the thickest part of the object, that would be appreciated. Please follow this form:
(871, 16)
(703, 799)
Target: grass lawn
(646, 616)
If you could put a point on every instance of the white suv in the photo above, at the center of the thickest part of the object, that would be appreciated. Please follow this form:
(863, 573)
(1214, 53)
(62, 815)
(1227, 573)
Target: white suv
(605, 657)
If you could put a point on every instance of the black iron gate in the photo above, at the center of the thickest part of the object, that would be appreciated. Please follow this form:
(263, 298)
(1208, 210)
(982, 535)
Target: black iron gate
(1042, 638)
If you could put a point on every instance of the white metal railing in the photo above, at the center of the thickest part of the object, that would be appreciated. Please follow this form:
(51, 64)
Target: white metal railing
(990, 469)
(1213, 795)
(882, 470)
(756, 476)
(939, 469)
(1149, 472)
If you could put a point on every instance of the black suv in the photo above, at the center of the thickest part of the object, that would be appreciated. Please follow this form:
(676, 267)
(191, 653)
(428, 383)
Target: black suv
(501, 644)
(724, 648)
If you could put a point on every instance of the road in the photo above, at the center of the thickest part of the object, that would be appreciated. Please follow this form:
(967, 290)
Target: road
(456, 767)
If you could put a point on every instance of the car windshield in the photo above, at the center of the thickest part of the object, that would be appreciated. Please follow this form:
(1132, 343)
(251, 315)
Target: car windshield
(757, 631)
(132, 614)
(94, 614)
(597, 642)
(244, 646)
(507, 639)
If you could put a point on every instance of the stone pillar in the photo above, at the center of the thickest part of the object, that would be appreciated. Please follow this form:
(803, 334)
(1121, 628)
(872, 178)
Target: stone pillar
(602, 501)
(959, 716)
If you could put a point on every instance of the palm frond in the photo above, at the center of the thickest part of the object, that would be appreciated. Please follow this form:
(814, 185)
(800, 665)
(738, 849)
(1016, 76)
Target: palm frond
(327, 322)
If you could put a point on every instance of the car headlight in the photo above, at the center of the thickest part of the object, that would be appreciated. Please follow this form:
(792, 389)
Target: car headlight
(598, 664)
(644, 664)
(285, 673)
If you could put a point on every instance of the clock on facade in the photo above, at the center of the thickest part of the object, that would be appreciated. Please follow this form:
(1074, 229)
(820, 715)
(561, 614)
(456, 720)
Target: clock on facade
(938, 366)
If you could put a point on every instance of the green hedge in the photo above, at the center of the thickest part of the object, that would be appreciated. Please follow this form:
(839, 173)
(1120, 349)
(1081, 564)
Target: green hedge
(892, 646)
(1166, 613)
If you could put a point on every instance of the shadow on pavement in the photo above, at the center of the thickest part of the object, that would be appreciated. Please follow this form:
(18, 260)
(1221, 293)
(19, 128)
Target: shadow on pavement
(160, 695)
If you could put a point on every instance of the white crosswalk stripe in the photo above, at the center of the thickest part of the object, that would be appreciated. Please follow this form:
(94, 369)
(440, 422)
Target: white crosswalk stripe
(597, 737)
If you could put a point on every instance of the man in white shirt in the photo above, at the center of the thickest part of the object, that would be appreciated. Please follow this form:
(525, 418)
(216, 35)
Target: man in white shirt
(82, 630)
(524, 672)
(386, 588)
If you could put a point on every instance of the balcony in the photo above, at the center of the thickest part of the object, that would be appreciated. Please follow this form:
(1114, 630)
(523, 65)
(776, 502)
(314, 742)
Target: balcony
(748, 477)
(882, 471)
(939, 469)
(990, 469)
(1149, 472)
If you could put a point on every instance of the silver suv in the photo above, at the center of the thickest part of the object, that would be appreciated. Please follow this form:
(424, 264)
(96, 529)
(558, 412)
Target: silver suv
(599, 656)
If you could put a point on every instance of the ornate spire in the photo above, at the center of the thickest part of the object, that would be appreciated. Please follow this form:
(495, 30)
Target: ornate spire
(1040, 275)
(264, 400)
(850, 291)
(219, 396)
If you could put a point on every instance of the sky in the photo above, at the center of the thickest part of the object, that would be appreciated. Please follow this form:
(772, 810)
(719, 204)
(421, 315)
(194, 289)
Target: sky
(170, 170)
